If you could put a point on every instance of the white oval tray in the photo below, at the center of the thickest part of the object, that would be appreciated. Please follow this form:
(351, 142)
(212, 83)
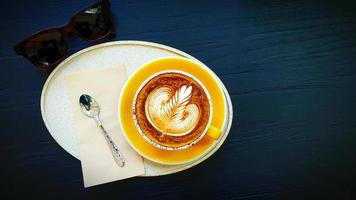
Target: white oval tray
(58, 117)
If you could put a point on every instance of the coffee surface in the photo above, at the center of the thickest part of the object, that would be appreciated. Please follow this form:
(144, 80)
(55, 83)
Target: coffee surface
(172, 109)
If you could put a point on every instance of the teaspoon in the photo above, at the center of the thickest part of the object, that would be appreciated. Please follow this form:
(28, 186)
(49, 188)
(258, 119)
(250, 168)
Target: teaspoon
(91, 108)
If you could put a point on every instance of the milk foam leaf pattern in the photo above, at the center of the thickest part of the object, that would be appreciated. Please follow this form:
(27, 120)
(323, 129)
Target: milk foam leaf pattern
(171, 111)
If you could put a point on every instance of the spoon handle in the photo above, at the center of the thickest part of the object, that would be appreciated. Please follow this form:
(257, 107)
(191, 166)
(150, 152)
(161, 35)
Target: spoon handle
(118, 156)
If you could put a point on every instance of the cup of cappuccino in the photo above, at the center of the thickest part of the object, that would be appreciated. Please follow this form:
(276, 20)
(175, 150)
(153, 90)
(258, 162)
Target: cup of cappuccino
(172, 109)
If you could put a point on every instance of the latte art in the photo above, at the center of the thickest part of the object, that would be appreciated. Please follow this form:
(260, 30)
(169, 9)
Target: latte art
(171, 112)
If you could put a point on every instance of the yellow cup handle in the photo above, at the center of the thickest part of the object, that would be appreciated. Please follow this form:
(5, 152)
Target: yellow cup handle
(213, 132)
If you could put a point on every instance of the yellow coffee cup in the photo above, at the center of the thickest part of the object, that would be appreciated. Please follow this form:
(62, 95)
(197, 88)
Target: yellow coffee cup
(137, 140)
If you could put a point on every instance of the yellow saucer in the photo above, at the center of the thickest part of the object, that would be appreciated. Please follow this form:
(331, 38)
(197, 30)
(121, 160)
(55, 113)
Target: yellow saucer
(126, 117)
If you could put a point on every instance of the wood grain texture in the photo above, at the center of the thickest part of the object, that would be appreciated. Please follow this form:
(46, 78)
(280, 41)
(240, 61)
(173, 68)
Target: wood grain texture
(289, 66)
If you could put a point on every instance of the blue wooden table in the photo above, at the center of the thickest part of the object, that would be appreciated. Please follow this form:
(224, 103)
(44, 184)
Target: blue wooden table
(289, 66)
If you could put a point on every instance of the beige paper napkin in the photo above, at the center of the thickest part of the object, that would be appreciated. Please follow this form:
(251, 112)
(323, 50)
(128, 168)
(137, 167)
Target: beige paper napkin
(98, 165)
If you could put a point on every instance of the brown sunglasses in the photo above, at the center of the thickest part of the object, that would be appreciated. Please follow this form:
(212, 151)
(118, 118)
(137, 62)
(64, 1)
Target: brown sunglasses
(46, 49)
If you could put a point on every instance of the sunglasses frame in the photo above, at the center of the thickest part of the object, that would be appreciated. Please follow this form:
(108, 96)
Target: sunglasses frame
(65, 31)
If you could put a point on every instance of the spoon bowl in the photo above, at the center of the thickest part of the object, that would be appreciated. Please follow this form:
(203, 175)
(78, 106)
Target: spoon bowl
(89, 106)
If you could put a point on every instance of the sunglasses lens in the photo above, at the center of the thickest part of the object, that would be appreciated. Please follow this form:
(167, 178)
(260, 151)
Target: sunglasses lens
(45, 48)
(93, 23)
